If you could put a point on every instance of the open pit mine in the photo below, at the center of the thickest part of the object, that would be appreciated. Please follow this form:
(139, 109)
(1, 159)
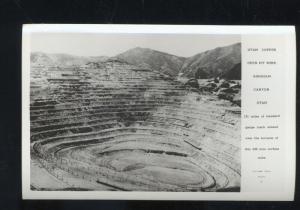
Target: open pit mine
(119, 127)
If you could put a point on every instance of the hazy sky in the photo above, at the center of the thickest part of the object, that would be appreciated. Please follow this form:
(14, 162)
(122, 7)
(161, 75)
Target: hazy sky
(113, 44)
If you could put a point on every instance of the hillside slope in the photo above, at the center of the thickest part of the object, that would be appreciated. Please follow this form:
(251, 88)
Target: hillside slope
(62, 60)
(212, 63)
(219, 62)
(152, 59)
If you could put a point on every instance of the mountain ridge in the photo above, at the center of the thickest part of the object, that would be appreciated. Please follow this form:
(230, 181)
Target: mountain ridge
(215, 62)
(153, 59)
(218, 62)
(62, 59)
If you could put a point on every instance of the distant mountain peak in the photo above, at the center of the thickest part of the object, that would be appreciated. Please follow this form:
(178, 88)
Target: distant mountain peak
(153, 59)
(221, 61)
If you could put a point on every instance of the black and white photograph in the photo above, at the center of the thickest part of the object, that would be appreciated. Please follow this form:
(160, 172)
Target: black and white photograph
(123, 105)
(135, 112)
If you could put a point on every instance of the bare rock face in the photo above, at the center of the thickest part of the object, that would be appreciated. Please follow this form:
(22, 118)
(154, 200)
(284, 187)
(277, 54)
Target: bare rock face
(225, 93)
(209, 87)
(232, 94)
(192, 83)
(223, 84)
(237, 99)
(224, 89)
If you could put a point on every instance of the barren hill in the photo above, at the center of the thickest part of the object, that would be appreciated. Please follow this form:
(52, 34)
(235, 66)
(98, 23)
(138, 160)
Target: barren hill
(59, 59)
(213, 63)
(152, 59)
(222, 61)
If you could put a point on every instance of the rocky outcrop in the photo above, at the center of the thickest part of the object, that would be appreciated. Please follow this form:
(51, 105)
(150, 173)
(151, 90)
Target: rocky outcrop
(192, 83)
(224, 89)
(237, 99)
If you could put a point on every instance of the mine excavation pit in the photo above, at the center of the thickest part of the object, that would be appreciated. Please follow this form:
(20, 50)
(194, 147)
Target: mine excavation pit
(123, 128)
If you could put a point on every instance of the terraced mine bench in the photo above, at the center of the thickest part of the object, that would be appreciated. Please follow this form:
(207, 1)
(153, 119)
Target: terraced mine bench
(124, 128)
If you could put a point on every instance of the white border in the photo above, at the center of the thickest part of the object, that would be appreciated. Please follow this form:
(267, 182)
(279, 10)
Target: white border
(290, 100)
(289, 31)
(155, 29)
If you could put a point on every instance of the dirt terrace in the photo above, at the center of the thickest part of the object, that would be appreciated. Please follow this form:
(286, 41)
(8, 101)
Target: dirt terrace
(123, 128)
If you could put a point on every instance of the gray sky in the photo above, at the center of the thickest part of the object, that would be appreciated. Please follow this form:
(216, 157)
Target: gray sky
(113, 44)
